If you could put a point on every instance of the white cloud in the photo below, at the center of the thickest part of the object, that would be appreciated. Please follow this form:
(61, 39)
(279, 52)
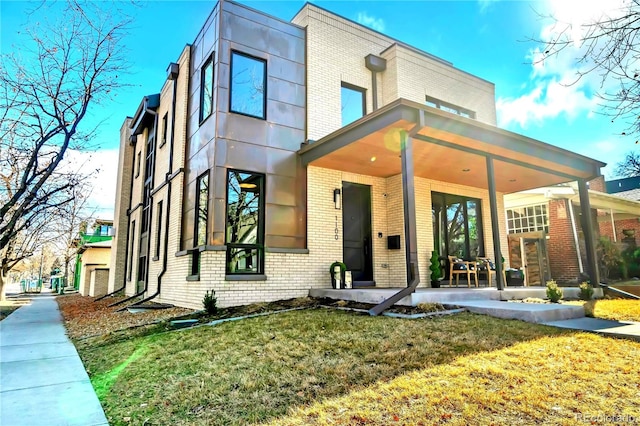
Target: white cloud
(554, 86)
(370, 21)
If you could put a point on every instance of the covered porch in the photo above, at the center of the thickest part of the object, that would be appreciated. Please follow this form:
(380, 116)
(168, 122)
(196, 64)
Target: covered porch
(417, 142)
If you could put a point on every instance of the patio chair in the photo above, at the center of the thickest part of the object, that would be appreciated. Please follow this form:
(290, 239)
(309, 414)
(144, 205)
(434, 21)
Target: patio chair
(486, 266)
(459, 266)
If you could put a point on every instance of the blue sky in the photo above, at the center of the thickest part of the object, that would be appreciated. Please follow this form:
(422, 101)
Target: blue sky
(487, 38)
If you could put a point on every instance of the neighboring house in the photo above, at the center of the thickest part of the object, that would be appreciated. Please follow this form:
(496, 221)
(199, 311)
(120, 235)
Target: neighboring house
(626, 228)
(275, 148)
(91, 277)
(545, 228)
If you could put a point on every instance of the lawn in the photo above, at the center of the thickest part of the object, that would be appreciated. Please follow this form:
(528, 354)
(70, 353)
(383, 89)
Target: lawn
(614, 309)
(321, 366)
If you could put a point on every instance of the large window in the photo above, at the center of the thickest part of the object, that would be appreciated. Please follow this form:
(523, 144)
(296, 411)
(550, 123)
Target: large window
(528, 219)
(202, 209)
(206, 89)
(445, 106)
(352, 103)
(132, 241)
(248, 85)
(457, 225)
(158, 228)
(245, 222)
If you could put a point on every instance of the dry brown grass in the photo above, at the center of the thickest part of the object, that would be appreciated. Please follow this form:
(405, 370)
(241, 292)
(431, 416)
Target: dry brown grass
(614, 309)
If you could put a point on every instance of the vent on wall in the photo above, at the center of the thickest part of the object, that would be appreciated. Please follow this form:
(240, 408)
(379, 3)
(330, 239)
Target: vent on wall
(393, 242)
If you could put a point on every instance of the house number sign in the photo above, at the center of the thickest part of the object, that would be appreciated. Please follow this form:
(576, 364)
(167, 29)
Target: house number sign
(337, 230)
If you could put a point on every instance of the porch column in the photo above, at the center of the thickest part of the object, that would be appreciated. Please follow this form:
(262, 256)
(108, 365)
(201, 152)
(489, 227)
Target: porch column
(495, 227)
(409, 201)
(613, 226)
(587, 230)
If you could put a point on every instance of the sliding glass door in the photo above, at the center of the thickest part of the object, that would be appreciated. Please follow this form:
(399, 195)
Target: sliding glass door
(457, 225)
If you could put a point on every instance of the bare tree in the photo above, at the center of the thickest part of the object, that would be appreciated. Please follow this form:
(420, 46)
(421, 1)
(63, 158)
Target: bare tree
(630, 166)
(609, 48)
(64, 69)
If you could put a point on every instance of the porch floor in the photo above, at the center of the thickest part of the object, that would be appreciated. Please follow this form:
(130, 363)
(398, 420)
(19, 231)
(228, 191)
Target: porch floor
(487, 300)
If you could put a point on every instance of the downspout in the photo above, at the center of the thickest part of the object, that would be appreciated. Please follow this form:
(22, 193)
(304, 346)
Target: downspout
(375, 64)
(173, 75)
(153, 170)
(613, 226)
(126, 249)
(410, 234)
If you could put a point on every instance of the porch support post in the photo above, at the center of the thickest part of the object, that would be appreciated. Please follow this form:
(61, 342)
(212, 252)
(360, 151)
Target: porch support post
(613, 226)
(495, 227)
(587, 230)
(409, 201)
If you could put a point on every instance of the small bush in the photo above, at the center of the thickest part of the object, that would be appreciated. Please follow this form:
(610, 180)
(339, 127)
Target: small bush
(586, 291)
(429, 307)
(554, 293)
(210, 302)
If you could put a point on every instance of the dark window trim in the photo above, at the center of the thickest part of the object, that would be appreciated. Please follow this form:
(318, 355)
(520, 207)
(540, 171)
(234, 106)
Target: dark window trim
(159, 209)
(197, 209)
(138, 163)
(202, 71)
(459, 110)
(165, 119)
(264, 79)
(362, 90)
(447, 198)
(261, 226)
(132, 246)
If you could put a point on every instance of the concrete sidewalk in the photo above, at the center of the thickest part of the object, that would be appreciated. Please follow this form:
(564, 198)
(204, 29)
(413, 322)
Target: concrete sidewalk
(42, 379)
(625, 329)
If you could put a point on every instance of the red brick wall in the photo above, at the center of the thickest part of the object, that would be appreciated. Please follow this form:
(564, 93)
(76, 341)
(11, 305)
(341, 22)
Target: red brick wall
(597, 184)
(606, 229)
(563, 258)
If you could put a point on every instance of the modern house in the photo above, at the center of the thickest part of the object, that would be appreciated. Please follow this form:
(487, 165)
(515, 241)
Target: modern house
(545, 227)
(275, 148)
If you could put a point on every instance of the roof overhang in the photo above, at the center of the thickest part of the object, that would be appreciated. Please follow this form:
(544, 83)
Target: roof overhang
(447, 148)
(144, 113)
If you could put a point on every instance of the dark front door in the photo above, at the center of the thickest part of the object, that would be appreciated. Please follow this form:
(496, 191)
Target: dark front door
(356, 225)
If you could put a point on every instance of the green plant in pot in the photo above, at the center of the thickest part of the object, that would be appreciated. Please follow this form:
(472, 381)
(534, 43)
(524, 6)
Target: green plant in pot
(436, 270)
(332, 272)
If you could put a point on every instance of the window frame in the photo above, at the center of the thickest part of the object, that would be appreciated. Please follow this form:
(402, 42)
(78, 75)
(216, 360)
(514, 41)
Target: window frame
(362, 91)
(264, 83)
(165, 119)
(159, 212)
(449, 107)
(131, 250)
(203, 70)
(259, 246)
(138, 163)
(515, 224)
(196, 223)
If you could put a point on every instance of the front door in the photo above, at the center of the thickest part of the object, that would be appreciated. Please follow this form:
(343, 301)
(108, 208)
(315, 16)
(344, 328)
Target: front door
(356, 223)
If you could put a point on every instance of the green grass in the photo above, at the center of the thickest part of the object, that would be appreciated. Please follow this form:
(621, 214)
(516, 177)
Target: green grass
(283, 368)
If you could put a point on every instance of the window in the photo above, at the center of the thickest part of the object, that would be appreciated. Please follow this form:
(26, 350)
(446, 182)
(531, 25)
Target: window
(131, 245)
(248, 85)
(454, 109)
(138, 163)
(528, 219)
(352, 103)
(457, 225)
(245, 222)
(164, 129)
(202, 209)
(206, 89)
(158, 228)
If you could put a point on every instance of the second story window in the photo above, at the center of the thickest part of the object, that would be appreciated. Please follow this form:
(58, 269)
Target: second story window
(206, 89)
(454, 109)
(202, 209)
(164, 129)
(352, 103)
(248, 85)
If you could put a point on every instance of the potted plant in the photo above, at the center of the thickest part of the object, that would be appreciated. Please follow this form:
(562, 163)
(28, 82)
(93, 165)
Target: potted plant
(337, 270)
(515, 277)
(436, 270)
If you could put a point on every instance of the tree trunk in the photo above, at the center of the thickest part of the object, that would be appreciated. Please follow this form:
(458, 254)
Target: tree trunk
(2, 283)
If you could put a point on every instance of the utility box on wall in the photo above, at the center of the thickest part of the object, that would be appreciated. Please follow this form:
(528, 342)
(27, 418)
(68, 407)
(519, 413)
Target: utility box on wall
(393, 242)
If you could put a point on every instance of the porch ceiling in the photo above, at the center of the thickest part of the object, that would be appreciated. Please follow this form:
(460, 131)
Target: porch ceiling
(447, 148)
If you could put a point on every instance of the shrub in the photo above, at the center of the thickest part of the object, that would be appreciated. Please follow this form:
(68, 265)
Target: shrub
(554, 293)
(586, 291)
(429, 307)
(436, 272)
(210, 302)
(609, 257)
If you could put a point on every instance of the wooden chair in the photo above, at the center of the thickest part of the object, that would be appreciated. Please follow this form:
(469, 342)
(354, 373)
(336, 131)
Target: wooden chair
(489, 271)
(465, 267)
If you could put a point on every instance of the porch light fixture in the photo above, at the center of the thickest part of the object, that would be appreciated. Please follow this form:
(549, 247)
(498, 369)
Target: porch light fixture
(336, 198)
(373, 159)
(466, 170)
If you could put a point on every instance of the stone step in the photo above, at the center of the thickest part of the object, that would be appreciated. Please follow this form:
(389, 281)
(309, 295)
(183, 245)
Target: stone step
(529, 312)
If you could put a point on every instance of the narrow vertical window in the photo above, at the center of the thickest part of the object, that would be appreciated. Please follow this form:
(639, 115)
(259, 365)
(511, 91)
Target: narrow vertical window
(132, 237)
(202, 209)
(158, 228)
(138, 163)
(248, 85)
(245, 222)
(206, 89)
(164, 129)
(352, 103)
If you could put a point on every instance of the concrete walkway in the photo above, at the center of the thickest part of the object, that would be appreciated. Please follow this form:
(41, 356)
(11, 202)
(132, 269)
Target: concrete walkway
(626, 329)
(42, 379)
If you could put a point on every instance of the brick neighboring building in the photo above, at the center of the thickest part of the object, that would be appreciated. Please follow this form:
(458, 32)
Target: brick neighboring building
(276, 148)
